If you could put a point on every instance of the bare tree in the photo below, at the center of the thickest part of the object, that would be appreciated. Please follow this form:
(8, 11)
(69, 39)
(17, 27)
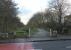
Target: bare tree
(61, 9)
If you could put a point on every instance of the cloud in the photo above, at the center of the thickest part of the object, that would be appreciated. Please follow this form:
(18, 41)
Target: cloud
(28, 7)
(25, 18)
(24, 11)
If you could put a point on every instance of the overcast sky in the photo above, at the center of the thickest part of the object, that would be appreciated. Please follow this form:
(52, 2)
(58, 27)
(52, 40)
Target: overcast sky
(29, 7)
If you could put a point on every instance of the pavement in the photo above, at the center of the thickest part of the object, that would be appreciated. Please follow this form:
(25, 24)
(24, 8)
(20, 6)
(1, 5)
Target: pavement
(61, 37)
(21, 40)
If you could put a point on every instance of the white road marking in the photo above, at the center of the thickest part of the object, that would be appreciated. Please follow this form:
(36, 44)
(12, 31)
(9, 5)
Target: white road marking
(35, 49)
(68, 46)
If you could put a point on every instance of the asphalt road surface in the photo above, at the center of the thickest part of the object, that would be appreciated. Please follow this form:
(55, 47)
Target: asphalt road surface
(53, 45)
(44, 45)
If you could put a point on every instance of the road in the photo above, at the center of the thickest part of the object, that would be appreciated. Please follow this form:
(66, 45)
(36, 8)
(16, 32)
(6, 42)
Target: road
(53, 45)
(44, 43)
(41, 45)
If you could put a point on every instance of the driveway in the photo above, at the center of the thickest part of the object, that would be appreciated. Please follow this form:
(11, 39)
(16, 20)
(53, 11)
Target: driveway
(41, 33)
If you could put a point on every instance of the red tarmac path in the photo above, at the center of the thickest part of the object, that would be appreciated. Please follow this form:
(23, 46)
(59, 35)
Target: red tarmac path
(16, 46)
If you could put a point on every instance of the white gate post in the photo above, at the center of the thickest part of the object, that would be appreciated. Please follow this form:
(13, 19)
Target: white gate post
(50, 32)
(29, 32)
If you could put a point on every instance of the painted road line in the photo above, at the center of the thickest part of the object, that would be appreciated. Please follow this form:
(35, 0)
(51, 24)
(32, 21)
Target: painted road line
(68, 46)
